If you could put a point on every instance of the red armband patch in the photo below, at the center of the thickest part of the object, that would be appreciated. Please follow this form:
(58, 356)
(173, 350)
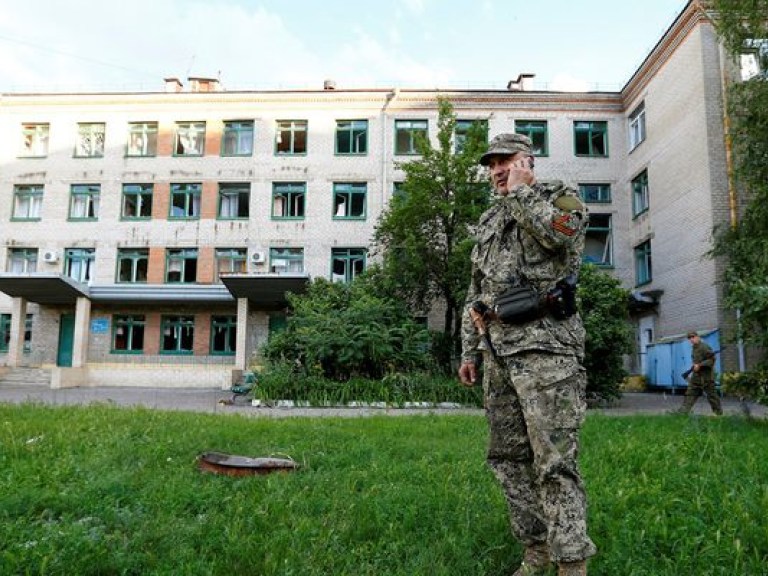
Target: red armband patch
(565, 224)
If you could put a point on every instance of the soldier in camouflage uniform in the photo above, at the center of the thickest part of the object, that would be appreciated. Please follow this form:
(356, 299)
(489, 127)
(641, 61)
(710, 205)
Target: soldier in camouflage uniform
(701, 377)
(534, 381)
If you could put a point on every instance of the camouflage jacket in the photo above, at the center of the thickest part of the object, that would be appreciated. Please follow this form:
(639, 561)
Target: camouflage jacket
(701, 354)
(534, 235)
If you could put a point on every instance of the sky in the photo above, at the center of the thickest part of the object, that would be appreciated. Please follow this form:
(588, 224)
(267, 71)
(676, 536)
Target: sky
(105, 45)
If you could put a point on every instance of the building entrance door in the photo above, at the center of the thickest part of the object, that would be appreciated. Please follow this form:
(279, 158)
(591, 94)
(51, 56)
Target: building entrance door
(66, 340)
(645, 337)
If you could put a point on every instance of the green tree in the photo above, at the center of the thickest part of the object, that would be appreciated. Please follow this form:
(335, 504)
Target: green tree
(424, 236)
(743, 27)
(603, 305)
(339, 331)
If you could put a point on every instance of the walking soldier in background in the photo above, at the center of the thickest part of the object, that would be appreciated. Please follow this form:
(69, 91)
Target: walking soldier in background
(522, 299)
(701, 376)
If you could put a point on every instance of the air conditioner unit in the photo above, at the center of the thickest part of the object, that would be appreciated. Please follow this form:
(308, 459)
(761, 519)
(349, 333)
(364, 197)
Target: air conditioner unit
(50, 256)
(258, 257)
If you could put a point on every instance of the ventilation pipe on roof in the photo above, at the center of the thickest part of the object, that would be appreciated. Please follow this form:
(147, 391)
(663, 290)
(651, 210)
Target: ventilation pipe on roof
(197, 84)
(524, 82)
(173, 85)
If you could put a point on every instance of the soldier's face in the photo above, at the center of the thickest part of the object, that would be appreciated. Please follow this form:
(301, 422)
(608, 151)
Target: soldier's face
(499, 168)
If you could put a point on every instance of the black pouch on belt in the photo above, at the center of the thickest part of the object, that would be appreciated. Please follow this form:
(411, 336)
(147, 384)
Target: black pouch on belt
(518, 305)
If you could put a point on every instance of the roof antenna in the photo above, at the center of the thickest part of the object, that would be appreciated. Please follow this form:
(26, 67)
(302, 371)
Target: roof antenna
(191, 64)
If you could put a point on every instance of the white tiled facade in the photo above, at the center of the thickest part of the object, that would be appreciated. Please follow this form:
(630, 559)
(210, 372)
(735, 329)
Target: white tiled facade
(679, 86)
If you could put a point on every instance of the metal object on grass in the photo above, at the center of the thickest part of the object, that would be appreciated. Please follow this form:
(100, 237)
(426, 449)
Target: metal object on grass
(233, 465)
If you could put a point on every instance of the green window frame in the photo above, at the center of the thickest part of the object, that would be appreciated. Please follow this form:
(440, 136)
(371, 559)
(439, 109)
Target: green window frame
(79, 263)
(84, 202)
(595, 193)
(128, 332)
(223, 335)
(132, 265)
(181, 265)
(27, 202)
(231, 261)
(349, 200)
(598, 245)
(90, 140)
(234, 201)
(640, 194)
(189, 139)
(237, 139)
(22, 260)
(142, 139)
(538, 132)
(643, 268)
(185, 201)
(347, 264)
(177, 334)
(288, 200)
(291, 137)
(590, 138)
(137, 202)
(286, 260)
(351, 137)
(407, 133)
(461, 131)
(5, 333)
(34, 140)
(277, 323)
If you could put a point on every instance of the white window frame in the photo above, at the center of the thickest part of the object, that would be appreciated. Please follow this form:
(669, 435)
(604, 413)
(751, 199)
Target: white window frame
(636, 129)
(90, 140)
(34, 140)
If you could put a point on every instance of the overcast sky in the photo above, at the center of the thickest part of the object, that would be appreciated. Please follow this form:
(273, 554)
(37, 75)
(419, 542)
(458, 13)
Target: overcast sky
(48, 45)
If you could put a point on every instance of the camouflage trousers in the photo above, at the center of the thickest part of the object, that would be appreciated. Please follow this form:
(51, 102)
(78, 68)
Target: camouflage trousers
(535, 404)
(698, 384)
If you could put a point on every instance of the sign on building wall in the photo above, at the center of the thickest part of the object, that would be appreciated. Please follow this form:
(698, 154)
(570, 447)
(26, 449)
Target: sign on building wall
(99, 326)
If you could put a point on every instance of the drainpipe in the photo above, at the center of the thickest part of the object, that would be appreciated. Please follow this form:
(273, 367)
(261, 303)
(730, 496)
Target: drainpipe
(732, 200)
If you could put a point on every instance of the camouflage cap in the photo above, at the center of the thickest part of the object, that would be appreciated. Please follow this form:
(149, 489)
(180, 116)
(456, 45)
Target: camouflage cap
(691, 334)
(506, 145)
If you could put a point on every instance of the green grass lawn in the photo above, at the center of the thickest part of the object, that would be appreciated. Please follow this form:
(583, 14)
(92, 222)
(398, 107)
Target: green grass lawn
(103, 490)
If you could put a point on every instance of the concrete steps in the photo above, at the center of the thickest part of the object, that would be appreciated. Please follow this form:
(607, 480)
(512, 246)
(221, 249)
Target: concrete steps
(26, 377)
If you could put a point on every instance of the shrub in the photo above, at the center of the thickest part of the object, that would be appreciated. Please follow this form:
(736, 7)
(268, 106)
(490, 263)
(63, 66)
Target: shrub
(604, 310)
(281, 382)
(751, 385)
(340, 331)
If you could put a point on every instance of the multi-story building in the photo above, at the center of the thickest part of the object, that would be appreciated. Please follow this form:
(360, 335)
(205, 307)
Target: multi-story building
(149, 238)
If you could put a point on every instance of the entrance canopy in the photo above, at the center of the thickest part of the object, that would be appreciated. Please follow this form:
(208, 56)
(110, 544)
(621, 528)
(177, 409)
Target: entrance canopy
(42, 288)
(265, 291)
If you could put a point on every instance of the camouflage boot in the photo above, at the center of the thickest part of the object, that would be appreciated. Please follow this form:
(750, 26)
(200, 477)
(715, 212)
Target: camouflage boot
(535, 561)
(572, 568)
